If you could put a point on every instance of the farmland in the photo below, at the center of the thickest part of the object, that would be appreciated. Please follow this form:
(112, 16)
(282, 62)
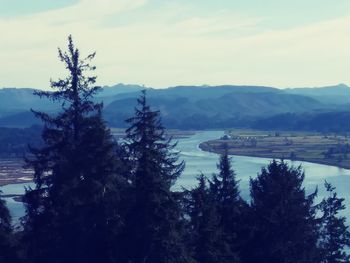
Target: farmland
(330, 149)
(12, 171)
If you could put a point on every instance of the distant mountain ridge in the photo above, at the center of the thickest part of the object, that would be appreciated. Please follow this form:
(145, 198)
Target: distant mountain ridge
(188, 107)
(338, 94)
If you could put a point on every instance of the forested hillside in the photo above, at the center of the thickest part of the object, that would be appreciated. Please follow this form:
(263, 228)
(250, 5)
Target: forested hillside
(182, 107)
(207, 111)
(321, 122)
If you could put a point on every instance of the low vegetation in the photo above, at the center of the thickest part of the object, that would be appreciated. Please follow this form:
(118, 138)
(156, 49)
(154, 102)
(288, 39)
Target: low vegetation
(12, 171)
(327, 148)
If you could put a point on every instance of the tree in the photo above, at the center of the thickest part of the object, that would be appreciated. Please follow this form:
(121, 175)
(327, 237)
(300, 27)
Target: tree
(224, 188)
(7, 250)
(154, 223)
(335, 236)
(285, 224)
(204, 231)
(73, 206)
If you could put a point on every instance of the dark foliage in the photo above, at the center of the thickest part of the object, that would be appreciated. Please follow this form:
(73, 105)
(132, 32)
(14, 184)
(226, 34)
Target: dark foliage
(72, 209)
(335, 236)
(285, 224)
(154, 227)
(224, 189)
(7, 249)
(206, 237)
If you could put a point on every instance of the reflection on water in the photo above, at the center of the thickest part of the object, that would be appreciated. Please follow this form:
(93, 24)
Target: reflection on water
(198, 161)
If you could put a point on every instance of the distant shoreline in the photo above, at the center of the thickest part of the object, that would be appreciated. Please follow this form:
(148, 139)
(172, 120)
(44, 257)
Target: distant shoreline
(208, 147)
(12, 171)
(8, 181)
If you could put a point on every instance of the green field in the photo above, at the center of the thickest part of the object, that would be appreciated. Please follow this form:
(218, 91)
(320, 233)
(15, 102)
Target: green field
(332, 149)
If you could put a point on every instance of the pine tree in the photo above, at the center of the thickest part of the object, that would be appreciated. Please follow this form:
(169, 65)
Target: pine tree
(154, 224)
(7, 250)
(286, 229)
(224, 188)
(204, 231)
(335, 236)
(72, 209)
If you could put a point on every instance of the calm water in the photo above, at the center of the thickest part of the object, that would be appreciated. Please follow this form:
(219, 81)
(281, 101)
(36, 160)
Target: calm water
(198, 161)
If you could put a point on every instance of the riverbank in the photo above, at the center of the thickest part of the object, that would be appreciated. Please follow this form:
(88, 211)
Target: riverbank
(198, 161)
(174, 133)
(13, 172)
(333, 150)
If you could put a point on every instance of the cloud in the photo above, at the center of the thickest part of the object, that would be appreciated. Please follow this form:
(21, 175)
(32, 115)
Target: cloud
(173, 44)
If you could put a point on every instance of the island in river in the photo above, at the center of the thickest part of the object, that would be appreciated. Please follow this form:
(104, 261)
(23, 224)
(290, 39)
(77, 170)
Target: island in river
(330, 149)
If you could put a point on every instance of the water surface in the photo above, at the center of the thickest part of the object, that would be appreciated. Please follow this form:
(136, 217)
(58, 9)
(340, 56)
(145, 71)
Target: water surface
(198, 161)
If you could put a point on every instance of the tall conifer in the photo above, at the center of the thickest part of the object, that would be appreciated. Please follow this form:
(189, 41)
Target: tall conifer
(154, 224)
(335, 236)
(73, 205)
(285, 224)
(204, 230)
(229, 205)
(7, 249)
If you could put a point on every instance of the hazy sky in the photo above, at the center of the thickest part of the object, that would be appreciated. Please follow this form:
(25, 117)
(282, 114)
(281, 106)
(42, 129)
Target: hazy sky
(162, 43)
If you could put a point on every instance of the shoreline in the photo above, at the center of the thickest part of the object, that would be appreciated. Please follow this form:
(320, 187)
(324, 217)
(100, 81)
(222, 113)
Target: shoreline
(10, 181)
(15, 197)
(204, 146)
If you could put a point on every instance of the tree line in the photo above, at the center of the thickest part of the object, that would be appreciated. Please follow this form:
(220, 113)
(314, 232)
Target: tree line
(97, 200)
(14, 141)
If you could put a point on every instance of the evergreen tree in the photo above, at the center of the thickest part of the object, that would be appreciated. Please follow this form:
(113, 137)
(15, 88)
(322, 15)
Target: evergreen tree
(7, 250)
(286, 229)
(335, 236)
(154, 224)
(73, 208)
(224, 188)
(204, 231)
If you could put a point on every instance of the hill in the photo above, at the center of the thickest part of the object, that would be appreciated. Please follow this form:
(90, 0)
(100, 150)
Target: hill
(189, 107)
(320, 122)
(15, 100)
(337, 95)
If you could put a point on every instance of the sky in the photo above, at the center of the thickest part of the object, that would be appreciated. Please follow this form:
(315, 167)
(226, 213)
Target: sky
(162, 43)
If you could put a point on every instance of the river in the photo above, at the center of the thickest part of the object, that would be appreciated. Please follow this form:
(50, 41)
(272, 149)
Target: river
(198, 161)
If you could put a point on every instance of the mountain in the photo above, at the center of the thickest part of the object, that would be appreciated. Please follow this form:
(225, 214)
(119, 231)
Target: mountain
(15, 103)
(336, 95)
(211, 107)
(21, 119)
(186, 107)
(109, 93)
(200, 92)
(15, 100)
